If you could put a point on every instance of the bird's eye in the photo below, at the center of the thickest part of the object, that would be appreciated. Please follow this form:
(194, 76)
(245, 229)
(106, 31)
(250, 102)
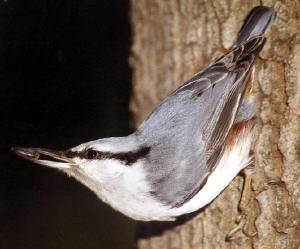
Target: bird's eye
(91, 154)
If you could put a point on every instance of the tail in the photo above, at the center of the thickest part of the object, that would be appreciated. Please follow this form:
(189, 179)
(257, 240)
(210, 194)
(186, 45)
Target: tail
(256, 23)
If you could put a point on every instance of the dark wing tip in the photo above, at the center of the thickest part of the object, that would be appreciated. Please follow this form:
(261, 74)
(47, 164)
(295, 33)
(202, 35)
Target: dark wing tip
(256, 23)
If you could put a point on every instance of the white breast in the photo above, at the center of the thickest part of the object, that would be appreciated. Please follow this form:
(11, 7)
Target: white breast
(135, 203)
(128, 191)
(232, 162)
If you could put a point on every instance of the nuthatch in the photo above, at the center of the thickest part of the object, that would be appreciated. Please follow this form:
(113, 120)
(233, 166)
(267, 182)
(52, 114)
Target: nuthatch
(188, 149)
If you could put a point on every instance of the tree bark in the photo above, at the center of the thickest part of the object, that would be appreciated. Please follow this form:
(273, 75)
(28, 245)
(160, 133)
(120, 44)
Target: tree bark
(172, 40)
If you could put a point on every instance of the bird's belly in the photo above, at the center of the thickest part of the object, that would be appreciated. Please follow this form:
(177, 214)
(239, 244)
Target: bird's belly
(235, 158)
(137, 204)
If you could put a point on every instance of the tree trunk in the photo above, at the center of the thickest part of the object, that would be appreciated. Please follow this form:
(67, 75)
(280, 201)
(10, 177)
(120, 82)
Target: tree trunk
(172, 40)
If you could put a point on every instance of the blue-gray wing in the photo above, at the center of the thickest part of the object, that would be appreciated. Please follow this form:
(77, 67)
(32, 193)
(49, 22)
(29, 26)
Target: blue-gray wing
(187, 132)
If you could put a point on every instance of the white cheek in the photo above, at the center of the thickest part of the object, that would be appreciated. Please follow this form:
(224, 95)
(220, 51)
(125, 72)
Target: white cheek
(123, 187)
(103, 170)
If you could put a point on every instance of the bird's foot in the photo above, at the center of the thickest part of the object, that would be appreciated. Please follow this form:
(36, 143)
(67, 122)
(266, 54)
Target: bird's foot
(245, 206)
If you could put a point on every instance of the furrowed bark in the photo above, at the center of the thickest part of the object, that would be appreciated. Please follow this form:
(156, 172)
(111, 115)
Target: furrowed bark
(172, 40)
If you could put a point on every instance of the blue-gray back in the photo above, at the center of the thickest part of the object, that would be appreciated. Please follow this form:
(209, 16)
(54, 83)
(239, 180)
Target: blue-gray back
(187, 132)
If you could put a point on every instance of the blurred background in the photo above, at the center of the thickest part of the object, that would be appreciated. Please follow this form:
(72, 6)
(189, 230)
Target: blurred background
(64, 80)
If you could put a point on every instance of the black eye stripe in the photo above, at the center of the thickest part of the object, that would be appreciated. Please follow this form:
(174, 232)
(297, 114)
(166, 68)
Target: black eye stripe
(128, 157)
(131, 157)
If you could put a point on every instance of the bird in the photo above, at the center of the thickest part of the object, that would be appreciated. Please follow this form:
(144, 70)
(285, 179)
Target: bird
(187, 150)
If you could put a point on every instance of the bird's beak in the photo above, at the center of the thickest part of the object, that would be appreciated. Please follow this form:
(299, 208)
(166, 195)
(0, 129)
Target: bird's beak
(51, 158)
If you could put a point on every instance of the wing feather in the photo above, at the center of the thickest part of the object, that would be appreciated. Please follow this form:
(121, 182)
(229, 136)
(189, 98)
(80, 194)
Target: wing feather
(237, 63)
(187, 132)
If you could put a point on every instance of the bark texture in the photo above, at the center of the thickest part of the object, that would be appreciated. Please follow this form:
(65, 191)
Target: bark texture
(172, 40)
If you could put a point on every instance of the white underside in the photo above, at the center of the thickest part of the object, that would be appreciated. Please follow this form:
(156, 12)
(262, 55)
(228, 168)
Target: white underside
(126, 190)
(229, 166)
(143, 207)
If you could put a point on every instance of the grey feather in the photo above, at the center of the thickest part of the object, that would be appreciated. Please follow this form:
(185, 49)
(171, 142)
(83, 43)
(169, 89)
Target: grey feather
(257, 22)
(187, 132)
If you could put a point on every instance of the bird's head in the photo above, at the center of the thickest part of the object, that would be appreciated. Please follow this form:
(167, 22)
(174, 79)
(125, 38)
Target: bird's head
(98, 164)
(113, 168)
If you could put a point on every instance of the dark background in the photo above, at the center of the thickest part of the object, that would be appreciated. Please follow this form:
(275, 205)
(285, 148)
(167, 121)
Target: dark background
(64, 80)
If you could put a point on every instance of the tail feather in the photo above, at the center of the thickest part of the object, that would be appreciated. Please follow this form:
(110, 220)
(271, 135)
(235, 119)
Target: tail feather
(256, 24)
